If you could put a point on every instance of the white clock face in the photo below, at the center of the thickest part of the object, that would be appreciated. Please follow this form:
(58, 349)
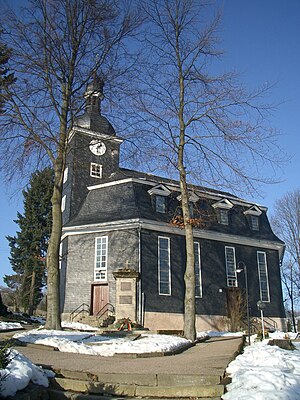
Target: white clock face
(97, 148)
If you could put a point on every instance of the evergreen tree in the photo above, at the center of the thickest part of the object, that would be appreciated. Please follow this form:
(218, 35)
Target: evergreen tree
(29, 246)
(6, 78)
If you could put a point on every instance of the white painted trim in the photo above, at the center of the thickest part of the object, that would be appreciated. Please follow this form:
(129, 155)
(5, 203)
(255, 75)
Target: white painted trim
(158, 265)
(91, 133)
(224, 203)
(254, 210)
(167, 228)
(120, 182)
(63, 203)
(160, 190)
(193, 198)
(66, 173)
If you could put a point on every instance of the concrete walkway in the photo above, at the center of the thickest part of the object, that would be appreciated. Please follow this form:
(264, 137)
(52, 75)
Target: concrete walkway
(207, 358)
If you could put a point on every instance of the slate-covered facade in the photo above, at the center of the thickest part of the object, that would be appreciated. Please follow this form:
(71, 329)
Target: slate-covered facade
(120, 247)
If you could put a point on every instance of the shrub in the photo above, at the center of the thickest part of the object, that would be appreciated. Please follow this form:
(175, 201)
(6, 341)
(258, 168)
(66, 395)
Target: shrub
(4, 355)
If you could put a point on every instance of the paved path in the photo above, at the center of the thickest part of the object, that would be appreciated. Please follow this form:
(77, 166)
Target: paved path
(208, 358)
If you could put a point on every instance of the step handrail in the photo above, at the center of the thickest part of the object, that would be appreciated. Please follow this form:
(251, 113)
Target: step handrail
(105, 309)
(83, 307)
(273, 323)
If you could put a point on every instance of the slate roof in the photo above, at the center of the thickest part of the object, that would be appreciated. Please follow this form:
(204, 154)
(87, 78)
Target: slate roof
(131, 200)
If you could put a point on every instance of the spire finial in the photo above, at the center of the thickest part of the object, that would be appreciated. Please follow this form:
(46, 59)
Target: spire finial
(94, 94)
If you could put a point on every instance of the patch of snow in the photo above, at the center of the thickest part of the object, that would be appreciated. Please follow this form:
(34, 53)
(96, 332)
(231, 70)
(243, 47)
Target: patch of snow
(79, 326)
(7, 326)
(19, 372)
(264, 372)
(78, 342)
(218, 333)
(36, 335)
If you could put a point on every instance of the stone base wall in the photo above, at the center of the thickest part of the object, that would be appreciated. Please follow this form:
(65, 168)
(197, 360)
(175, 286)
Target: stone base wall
(281, 323)
(171, 321)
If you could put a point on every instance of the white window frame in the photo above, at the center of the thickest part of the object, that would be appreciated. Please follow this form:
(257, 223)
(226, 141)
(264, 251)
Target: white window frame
(159, 267)
(100, 271)
(198, 274)
(263, 275)
(66, 173)
(231, 277)
(63, 203)
(96, 170)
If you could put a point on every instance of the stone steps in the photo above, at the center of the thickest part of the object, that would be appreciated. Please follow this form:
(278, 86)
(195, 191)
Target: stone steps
(134, 385)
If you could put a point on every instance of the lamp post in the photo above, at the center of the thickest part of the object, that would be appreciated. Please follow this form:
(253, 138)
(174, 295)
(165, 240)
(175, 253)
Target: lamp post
(261, 306)
(242, 267)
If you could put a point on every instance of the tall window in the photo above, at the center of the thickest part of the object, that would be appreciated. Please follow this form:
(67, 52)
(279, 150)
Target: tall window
(230, 266)
(263, 276)
(164, 266)
(96, 170)
(198, 277)
(100, 273)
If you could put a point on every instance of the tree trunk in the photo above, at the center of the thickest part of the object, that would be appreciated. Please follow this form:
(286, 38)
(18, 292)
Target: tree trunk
(189, 276)
(53, 281)
(31, 293)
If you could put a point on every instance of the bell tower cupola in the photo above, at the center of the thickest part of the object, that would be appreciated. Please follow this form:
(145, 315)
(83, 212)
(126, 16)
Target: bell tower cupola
(93, 156)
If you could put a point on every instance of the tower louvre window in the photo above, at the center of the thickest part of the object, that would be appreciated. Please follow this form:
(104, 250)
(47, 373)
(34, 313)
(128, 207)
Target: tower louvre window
(96, 170)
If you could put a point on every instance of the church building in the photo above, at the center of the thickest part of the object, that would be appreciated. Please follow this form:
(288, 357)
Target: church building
(123, 249)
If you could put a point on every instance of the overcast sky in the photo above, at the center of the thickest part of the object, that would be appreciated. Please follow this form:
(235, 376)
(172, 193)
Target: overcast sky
(261, 40)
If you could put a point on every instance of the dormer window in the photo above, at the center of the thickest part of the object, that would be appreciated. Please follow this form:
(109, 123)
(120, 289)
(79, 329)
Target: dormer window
(254, 222)
(223, 206)
(160, 204)
(253, 213)
(223, 216)
(193, 198)
(159, 196)
(191, 208)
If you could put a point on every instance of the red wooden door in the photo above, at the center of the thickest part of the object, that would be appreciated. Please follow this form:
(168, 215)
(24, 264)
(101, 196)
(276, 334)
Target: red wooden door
(99, 297)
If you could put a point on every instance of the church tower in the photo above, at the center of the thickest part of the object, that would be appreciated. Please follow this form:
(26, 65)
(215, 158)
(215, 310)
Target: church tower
(94, 149)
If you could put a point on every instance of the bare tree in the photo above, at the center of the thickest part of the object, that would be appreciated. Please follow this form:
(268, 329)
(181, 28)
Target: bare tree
(56, 47)
(286, 223)
(203, 125)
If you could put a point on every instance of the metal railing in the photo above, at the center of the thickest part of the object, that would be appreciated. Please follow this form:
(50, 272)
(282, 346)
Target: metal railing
(270, 323)
(82, 308)
(108, 308)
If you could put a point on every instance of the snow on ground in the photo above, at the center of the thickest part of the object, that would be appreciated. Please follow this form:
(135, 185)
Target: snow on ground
(78, 326)
(89, 343)
(265, 372)
(262, 372)
(218, 333)
(19, 372)
(7, 326)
